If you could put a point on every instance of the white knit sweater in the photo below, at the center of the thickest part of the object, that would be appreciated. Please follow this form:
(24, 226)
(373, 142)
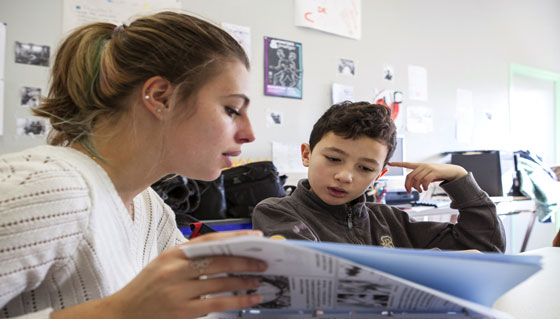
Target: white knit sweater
(65, 234)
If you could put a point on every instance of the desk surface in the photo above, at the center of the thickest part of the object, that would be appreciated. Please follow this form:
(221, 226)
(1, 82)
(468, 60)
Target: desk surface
(539, 295)
(504, 206)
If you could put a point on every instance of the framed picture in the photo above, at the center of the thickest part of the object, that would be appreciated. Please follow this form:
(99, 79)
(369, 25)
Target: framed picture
(283, 68)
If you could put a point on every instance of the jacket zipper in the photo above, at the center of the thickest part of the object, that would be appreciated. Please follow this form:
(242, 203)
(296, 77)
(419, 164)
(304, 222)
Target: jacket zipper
(349, 217)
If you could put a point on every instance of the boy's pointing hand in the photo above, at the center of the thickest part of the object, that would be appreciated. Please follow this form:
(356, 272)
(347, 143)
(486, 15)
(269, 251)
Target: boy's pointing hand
(424, 173)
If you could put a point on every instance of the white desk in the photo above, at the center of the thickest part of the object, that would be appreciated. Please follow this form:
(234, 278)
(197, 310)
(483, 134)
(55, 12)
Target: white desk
(504, 206)
(537, 297)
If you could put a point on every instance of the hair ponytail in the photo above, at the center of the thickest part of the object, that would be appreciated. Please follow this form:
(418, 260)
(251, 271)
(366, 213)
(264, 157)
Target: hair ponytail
(74, 100)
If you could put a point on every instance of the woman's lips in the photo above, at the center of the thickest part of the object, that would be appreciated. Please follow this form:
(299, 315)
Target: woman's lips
(232, 154)
(228, 155)
(336, 192)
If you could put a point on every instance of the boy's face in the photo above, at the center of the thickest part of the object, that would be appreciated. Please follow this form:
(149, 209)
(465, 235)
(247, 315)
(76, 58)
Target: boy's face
(342, 169)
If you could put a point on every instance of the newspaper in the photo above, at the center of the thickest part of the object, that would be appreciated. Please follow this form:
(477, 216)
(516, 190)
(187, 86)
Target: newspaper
(305, 279)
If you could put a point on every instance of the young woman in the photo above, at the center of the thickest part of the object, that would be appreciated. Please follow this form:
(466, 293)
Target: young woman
(81, 233)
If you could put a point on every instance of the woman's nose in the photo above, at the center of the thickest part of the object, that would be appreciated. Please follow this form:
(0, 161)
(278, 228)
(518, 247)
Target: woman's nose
(245, 133)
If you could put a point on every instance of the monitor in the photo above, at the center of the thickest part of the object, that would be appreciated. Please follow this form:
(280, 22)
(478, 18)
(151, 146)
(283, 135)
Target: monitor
(493, 170)
(398, 156)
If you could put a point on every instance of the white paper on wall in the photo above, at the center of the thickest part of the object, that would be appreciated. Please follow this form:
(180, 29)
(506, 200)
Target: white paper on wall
(1, 107)
(419, 119)
(2, 61)
(341, 93)
(287, 158)
(340, 17)
(76, 12)
(240, 33)
(417, 83)
(2, 49)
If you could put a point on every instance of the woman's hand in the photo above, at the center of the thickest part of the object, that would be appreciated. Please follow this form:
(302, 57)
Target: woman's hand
(424, 173)
(170, 286)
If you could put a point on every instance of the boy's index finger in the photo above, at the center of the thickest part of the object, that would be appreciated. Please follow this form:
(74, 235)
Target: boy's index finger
(404, 164)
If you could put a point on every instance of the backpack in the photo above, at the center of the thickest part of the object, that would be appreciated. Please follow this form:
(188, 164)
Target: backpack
(248, 184)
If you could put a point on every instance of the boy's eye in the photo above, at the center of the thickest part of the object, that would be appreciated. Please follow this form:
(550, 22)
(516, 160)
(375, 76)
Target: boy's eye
(366, 169)
(332, 159)
(232, 112)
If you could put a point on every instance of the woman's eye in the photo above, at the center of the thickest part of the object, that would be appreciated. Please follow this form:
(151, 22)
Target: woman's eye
(366, 169)
(232, 112)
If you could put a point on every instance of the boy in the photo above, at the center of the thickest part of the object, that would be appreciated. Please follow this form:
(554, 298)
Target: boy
(348, 150)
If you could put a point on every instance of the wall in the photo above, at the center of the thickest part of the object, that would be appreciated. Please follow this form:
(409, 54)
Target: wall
(462, 44)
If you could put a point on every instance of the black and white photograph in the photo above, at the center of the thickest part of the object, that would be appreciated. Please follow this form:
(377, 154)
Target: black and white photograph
(388, 73)
(352, 271)
(275, 292)
(274, 118)
(31, 126)
(346, 67)
(363, 294)
(34, 54)
(30, 96)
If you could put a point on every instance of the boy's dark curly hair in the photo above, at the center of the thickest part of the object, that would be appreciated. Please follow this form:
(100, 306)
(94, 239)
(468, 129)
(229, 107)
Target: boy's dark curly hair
(354, 120)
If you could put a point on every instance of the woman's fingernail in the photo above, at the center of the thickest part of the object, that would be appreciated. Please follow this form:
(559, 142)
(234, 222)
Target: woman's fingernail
(255, 283)
(262, 266)
(256, 233)
(255, 299)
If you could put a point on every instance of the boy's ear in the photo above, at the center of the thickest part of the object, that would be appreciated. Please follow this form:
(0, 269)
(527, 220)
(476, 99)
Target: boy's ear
(305, 154)
(385, 170)
(156, 93)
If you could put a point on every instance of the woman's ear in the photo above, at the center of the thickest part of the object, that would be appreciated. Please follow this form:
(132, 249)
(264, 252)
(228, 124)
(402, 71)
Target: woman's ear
(305, 154)
(156, 93)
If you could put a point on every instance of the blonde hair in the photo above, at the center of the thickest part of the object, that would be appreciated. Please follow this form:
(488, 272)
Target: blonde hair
(100, 64)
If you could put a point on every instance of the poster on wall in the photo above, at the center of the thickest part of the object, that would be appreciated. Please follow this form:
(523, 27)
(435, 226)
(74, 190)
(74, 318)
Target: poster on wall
(393, 99)
(79, 12)
(283, 68)
(340, 17)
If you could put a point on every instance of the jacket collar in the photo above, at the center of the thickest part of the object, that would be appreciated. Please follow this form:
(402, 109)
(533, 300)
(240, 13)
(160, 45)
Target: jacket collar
(310, 199)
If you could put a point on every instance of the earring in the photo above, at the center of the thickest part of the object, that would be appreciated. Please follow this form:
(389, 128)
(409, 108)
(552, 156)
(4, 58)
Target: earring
(147, 97)
(158, 110)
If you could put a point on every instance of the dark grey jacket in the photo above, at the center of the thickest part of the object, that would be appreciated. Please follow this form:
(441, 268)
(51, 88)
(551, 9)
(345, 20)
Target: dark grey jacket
(305, 216)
